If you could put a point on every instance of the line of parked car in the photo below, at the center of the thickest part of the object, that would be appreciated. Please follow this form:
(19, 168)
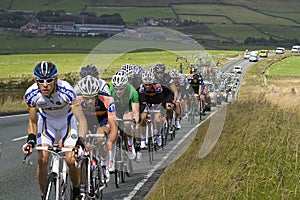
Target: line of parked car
(253, 56)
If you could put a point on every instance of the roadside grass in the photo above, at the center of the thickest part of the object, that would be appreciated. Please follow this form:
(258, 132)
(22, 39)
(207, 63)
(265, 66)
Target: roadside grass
(256, 156)
(288, 66)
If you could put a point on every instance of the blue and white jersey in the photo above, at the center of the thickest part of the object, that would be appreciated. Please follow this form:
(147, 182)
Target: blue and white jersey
(58, 105)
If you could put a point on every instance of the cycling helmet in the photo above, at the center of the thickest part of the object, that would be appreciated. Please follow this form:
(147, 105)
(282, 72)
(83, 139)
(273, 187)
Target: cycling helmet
(159, 67)
(119, 79)
(88, 86)
(128, 68)
(138, 69)
(148, 77)
(196, 76)
(89, 70)
(174, 73)
(44, 70)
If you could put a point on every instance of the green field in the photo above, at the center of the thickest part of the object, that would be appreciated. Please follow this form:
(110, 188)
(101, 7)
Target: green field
(232, 12)
(229, 21)
(288, 66)
(22, 65)
(131, 14)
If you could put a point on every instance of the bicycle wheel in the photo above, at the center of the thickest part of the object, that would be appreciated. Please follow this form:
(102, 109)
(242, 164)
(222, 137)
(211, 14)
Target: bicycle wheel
(118, 162)
(97, 183)
(50, 187)
(66, 188)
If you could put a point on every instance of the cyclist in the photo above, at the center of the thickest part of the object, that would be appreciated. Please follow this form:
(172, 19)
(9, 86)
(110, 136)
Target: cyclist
(183, 87)
(53, 107)
(199, 88)
(154, 93)
(165, 79)
(93, 71)
(127, 107)
(98, 105)
(137, 77)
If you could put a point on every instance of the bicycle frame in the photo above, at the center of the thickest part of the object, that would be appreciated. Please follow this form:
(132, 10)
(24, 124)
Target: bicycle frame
(92, 164)
(55, 170)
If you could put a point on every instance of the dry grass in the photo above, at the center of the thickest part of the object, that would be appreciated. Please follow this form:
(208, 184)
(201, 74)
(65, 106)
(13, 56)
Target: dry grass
(256, 156)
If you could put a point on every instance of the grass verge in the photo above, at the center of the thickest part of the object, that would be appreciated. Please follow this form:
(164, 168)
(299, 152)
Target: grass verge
(256, 156)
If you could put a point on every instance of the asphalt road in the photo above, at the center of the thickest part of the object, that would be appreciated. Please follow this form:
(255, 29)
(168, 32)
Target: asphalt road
(18, 181)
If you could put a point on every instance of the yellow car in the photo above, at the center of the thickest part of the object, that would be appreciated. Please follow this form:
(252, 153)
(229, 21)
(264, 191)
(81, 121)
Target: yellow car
(263, 53)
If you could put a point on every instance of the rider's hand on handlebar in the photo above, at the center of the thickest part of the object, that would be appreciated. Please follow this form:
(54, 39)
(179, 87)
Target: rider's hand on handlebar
(29, 146)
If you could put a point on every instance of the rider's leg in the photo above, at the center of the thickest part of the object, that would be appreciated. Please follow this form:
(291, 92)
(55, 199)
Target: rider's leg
(42, 169)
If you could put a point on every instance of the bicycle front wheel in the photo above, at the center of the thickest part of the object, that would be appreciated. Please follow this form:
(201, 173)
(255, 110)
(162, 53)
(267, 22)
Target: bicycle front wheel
(50, 187)
(66, 188)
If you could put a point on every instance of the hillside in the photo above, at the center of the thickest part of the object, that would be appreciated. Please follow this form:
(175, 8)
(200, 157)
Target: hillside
(214, 23)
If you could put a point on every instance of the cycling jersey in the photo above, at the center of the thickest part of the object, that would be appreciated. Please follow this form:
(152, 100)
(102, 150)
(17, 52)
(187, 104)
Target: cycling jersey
(54, 113)
(166, 80)
(156, 95)
(124, 103)
(103, 111)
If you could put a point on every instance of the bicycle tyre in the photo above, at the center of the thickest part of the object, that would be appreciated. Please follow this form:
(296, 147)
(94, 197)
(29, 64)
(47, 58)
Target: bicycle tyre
(97, 183)
(118, 164)
(50, 187)
(67, 188)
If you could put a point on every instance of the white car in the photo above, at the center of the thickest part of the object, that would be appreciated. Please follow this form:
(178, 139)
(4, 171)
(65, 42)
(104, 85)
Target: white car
(247, 55)
(253, 56)
(237, 69)
(295, 49)
(280, 50)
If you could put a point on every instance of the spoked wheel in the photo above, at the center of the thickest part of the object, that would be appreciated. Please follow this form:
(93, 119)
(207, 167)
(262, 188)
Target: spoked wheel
(97, 183)
(67, 189)
(150, 149)
(50, 192)
(118, 164)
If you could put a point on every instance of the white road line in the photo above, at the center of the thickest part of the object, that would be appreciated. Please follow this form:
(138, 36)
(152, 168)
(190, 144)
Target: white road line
(9, 116)
(20, 138)
(158, 165)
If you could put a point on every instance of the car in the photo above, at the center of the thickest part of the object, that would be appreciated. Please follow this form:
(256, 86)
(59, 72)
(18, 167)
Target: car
(237, 69)
(263, 53)
(295, 49)
(246, 55)
(253, 56)
(280, 50)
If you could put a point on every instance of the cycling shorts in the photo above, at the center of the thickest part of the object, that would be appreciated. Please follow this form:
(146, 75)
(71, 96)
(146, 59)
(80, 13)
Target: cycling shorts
(50, 127)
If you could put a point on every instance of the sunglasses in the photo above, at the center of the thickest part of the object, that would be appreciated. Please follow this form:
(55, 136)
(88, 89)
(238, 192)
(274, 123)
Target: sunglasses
(42, 81)
(159, 72)
(120, 89)
(86, 97)
(147, 84)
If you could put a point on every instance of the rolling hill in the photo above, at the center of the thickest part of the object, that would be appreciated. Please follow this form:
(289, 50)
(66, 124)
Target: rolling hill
(213, 23)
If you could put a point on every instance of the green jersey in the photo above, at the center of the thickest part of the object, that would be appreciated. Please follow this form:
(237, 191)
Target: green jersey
(124, 102)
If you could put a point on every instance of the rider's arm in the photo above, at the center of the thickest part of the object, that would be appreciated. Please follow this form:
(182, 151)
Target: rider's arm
(113, 130)
(136, 111)
(175, 91)
(82, 124)
(32, 123)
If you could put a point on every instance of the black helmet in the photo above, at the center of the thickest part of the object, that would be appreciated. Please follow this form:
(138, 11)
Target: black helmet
(159, 67)
(44, 70)
(196, 76)
(89, 70)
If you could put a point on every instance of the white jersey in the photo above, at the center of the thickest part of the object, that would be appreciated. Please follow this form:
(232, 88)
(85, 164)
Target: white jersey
(58, 105)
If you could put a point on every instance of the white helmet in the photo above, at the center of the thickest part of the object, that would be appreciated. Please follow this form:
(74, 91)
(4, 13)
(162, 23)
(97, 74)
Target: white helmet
(119, 79)
(128, 68)
(88, 86)
(174, 73)
(148, 77)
